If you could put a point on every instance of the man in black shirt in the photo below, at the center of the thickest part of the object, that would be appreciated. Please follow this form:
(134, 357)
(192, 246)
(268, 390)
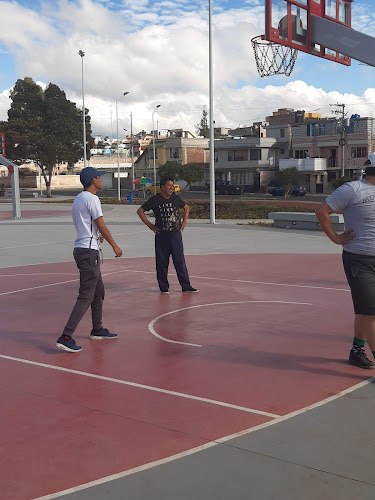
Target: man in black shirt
(168, 238)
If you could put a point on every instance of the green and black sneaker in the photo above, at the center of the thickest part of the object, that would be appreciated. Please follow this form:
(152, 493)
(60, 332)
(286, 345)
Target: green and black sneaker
(359, 358)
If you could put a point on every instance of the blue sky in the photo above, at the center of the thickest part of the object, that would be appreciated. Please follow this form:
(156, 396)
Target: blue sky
(158, 52)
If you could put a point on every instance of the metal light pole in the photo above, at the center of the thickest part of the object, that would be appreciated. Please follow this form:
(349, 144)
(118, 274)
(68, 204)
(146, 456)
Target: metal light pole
(118, 155)
(132, 152)
(211, 109)
(82, 54)
(153, 145)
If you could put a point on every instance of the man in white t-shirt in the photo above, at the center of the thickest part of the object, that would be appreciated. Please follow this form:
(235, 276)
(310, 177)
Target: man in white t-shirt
(91, 230)
(356, 200)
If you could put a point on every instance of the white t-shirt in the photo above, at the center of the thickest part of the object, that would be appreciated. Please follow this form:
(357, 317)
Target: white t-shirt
(86, 209)
(357, 201)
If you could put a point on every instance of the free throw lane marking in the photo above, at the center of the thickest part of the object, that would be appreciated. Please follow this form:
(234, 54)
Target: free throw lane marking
(153, 332)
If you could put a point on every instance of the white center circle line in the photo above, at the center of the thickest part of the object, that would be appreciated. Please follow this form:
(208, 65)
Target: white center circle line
(153, 332)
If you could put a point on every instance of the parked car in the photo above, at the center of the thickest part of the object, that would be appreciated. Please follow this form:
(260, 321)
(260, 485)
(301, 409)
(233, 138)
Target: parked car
(225, 187)
(150, 189)
(295, 191)
(298, 191)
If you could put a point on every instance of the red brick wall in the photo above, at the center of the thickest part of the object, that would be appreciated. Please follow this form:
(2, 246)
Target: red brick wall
(195, 155)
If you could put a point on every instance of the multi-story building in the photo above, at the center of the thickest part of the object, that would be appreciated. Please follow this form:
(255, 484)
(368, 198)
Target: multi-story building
(343, 149)
(251, 160)
(180, 145)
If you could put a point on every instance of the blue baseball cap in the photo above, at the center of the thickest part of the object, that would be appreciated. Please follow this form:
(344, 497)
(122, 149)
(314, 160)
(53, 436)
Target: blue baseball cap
(88, 173)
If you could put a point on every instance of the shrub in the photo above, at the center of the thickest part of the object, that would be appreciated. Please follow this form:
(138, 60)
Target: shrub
(240, 209)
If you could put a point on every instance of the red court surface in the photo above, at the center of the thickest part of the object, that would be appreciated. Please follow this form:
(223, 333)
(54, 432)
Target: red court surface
(266, 336)
(33, 213)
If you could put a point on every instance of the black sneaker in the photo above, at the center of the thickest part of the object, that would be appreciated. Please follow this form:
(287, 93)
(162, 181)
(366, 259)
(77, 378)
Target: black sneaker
(104, 333)
(164, 292)
(66, 343)
(190, 289)
(358, 357)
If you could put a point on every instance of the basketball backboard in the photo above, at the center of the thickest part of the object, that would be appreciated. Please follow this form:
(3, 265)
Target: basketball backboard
(296, 24)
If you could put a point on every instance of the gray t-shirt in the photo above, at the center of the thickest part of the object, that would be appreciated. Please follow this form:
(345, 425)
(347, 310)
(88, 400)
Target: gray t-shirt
(357, 201)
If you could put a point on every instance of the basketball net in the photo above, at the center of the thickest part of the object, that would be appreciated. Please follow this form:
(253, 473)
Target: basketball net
(272, 58)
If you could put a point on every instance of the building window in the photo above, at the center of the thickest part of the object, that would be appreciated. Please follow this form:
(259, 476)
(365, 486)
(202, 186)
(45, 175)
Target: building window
(336, 128)
(216, 156)
(282, 132)
(282, 151)
(255, 154)
(174, 153)
(301, 153)
(151, 154)
(237, 155)
(359, 152)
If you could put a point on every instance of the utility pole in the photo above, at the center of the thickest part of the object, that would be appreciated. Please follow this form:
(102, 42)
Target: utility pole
(340, 113)
(132, 150)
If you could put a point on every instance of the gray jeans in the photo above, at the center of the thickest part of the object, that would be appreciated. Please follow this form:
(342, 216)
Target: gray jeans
(91, 290)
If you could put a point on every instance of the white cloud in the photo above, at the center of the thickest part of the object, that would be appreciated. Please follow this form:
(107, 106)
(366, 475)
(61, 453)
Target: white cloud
(159, 53)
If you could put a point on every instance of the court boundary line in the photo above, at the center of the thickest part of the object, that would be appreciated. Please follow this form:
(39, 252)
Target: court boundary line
(141, 386)
(205, 446)
(170, 274)
(152, 322)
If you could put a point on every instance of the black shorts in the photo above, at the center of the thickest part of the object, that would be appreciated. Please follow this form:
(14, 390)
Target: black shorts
(360, 273)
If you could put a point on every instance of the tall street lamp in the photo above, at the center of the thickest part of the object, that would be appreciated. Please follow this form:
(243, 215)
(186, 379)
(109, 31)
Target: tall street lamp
(118, 155)
(82, 54)
(131, 148)
(153, 144)
(211, 109)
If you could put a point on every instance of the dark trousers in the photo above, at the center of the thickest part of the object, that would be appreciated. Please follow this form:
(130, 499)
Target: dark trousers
(169, 243)
(91, 290)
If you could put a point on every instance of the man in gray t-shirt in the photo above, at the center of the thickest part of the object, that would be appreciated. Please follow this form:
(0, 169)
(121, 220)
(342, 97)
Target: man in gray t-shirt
(356, 200)
(91, 230)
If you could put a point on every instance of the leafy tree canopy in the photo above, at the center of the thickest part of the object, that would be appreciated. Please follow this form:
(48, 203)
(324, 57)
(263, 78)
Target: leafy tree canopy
(290, 177)
(202, 128)
(339, 182)
(190, 172)
(44, 126)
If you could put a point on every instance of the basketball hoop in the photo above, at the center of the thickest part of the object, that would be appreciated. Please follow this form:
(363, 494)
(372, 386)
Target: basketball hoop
(272, 58)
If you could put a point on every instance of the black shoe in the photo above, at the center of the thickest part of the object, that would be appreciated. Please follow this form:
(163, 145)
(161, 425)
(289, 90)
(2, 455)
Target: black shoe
(190, 289)
(164, 291)
(104, 333)
(358, 357)
(66, 343)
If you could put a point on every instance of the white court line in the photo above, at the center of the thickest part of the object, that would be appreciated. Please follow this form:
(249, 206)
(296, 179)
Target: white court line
(277, 284)
(199, 277)
(142, 386)
(197, 449)
(58, 283)
(34, 274)
(36, 287)
(153, 332)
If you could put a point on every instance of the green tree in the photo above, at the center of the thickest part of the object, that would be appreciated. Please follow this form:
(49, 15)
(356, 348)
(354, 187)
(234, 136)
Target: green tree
(169, 169)
(44, 126)
(339, 182)
(191, 172)
(202, 128)
(289, 177)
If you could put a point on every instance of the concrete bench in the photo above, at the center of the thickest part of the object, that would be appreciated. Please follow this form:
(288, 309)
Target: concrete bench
(28, 194)
(302, 220)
